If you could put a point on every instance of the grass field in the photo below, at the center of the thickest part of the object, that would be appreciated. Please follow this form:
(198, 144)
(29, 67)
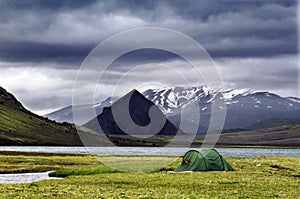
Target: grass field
(85, 177)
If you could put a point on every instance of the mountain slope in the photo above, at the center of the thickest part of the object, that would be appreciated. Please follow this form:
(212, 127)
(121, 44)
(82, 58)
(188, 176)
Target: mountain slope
(7, 99)
(19, 126)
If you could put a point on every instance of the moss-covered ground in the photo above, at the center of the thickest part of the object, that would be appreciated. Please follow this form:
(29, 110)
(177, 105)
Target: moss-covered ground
(85, 177)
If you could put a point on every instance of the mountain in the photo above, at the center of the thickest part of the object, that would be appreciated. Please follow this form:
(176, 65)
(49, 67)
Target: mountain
(19, 126)
(243, 106)
(131, 112)
(65, 114)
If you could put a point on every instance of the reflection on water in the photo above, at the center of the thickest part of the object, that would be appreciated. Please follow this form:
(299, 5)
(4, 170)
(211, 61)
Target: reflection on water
(24, 177)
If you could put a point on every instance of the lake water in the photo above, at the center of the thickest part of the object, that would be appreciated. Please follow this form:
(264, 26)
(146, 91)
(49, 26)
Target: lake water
(153, 151)
(24, 177)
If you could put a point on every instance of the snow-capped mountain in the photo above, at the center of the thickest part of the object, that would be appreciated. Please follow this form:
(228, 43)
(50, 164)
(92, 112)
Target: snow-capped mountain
(171, 99)
(243, 106)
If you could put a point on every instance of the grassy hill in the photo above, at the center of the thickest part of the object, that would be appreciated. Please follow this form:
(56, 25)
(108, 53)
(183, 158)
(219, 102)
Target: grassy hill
(274, 122)
(282, 136)
(19, 126)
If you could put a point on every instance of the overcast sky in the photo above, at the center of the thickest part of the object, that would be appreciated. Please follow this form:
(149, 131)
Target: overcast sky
(43, 43)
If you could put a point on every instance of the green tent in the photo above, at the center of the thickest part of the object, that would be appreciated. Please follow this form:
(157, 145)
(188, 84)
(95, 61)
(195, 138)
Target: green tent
(203, 160)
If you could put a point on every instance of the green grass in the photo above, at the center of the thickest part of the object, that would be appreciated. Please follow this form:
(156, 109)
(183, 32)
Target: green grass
(159, 185)
(20, 127)
(25, 163)
(76, 171)
(264, 177)
(82, 165)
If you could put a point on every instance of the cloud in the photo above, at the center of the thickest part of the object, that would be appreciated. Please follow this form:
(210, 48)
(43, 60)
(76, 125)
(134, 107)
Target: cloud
(278, 75)
(66, 31)
(43, 43)
(40, 90)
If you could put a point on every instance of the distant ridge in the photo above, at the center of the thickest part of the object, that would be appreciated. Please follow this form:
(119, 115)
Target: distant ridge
(66, 114)
(274, 122)
(243, 106)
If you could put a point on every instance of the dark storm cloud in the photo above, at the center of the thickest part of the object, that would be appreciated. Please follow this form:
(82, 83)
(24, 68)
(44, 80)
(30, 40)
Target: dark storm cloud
(66, 31)
(39, 52)
(48, 5)
(203, 9)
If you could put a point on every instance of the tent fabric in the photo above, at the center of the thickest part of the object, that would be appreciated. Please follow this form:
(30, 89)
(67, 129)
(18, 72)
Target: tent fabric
(203, 160)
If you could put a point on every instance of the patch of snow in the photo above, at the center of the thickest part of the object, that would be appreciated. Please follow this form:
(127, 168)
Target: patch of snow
(205, 90)
(229, 94)
(211, 99)
(98, 104)
(293, 100)
(232, 102)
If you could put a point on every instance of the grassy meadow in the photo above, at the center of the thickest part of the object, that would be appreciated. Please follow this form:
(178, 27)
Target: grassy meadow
(85, 177)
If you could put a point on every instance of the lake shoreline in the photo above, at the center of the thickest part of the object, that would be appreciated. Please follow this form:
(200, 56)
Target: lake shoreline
(143, 151)
(15, 153)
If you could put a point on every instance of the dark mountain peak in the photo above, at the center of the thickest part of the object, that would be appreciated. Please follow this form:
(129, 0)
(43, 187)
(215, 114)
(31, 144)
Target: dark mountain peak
(138, 106)
(135, 93)
(132, 111)
(135, 96)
